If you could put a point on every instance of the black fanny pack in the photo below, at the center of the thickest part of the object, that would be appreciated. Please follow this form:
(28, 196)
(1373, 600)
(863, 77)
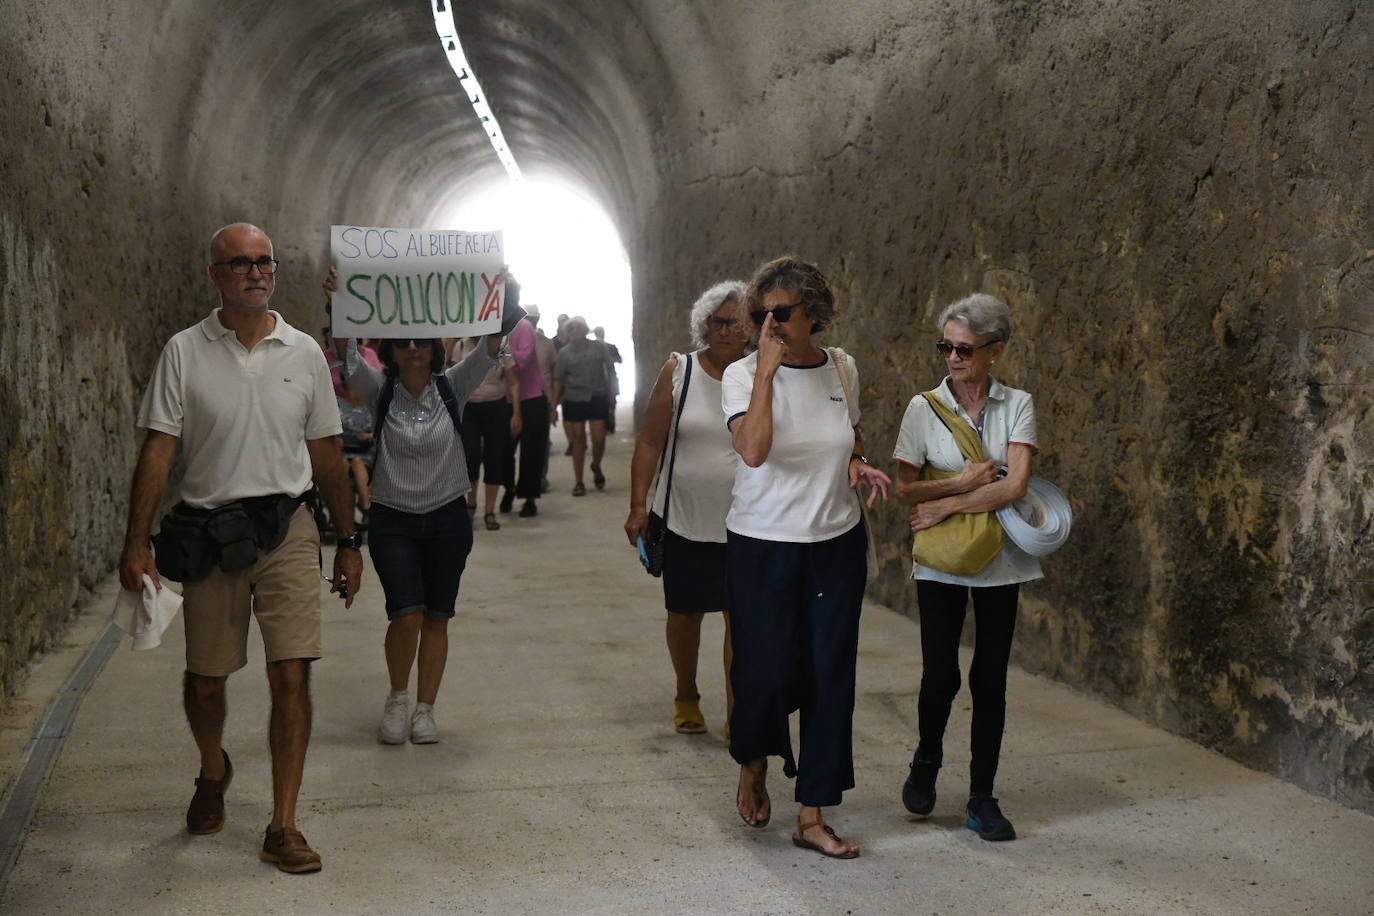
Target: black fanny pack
(191, 542)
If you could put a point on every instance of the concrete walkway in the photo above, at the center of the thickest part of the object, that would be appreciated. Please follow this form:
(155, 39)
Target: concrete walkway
(561, 787)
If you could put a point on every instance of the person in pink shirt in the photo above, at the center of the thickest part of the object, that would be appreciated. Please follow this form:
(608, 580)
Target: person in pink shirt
(533, 440)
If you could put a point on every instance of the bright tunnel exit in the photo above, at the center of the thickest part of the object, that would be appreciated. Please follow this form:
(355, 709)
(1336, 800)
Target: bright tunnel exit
(566, 252)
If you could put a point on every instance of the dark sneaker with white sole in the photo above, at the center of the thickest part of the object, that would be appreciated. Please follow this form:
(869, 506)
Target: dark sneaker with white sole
(986, 819)
(918, 792)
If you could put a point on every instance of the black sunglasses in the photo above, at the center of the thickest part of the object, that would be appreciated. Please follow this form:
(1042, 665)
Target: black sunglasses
(964, 351)
(421, 343)
(781, 313)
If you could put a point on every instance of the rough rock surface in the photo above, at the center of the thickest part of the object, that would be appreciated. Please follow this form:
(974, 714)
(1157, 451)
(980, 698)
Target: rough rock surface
(1175, 199)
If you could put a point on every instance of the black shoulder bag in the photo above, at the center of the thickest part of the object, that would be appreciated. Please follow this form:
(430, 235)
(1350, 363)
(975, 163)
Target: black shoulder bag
(655, 533)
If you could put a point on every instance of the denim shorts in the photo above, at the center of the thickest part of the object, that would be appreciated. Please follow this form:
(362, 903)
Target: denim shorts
(420, 557)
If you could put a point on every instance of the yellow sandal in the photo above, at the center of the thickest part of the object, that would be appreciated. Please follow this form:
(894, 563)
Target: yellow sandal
(687, 717)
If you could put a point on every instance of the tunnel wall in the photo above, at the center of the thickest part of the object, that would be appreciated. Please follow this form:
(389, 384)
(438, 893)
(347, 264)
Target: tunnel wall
(1174, 200)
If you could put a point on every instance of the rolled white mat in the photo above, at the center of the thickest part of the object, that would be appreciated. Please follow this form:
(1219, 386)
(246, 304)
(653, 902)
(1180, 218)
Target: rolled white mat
(1038, 522)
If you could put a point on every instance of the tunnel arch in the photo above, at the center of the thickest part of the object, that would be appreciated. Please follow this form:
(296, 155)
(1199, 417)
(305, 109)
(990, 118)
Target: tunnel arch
(1193, 186)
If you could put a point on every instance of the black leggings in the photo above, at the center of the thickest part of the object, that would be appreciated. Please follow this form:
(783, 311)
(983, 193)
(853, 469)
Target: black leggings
(942, 609)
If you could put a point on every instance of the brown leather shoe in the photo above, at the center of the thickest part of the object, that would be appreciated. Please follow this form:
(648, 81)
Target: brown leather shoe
(288, 849)
(206, 811)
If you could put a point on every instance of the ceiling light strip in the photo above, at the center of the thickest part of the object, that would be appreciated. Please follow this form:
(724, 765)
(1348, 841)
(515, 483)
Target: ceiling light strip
(453, 48)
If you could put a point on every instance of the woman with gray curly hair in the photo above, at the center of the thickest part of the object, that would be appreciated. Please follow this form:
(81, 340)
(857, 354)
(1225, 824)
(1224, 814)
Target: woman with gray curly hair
(936, 479)
(696, 483)
(796, 551)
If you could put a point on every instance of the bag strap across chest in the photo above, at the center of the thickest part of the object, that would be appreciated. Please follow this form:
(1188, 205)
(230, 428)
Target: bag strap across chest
(965, 436)
(446, 394)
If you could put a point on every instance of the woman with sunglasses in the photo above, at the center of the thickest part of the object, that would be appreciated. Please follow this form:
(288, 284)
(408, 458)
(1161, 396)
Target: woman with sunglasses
(702, 472)
(935, 479)
(420, 533)
(796, 551)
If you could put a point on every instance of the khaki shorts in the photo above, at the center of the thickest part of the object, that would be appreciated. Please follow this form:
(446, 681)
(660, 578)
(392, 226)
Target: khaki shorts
(282, 589)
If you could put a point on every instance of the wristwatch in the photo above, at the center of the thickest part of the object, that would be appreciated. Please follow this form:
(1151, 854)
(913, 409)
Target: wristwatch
(861, 458)
(353, 541)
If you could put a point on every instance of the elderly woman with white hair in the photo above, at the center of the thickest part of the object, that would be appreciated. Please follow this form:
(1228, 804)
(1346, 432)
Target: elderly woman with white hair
(702, 473)
(938, 481)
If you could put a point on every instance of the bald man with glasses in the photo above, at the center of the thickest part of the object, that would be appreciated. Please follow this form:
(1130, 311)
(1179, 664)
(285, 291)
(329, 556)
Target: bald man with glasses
(247, 402)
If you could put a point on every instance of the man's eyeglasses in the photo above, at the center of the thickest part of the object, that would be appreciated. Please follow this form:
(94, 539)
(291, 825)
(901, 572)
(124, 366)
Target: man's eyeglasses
(420, 343)
(964, 351)
(721, 324)
(781, 313)
(242, 265)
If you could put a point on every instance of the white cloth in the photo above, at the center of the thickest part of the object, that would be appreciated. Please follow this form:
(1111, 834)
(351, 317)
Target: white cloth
(243, 418)
(1039, 522)
(800, 494)
(145, 614)
(704, 472)
(1009, 417)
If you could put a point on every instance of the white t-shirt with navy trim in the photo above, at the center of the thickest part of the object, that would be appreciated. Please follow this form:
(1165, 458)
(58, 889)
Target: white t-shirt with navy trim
(801, 491)
(1008, 417)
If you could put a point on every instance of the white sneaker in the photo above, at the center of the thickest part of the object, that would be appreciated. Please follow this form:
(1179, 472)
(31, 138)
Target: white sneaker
(422, 727)
(393, 727)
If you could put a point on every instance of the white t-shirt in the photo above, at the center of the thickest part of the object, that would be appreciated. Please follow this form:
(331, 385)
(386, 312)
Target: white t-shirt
(1008, 417)
(801, 491)
(704, 471)
(243, 418)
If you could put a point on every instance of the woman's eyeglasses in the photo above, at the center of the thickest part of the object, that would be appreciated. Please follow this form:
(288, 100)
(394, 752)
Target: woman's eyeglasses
(420, 343)
(964, 351)
(781, 313)
(721, 324)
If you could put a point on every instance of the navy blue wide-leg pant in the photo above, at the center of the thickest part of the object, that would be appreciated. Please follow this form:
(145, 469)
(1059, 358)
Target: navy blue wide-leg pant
(794, 626)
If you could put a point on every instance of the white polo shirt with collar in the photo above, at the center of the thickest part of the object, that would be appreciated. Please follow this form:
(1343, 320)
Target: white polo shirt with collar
(243, 418)
(1009, 417)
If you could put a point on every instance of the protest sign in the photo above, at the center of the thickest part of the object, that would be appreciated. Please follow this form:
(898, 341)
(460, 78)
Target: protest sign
(416, 282)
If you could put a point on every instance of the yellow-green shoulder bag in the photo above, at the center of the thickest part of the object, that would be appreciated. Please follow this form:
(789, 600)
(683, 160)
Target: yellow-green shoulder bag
(964, 543)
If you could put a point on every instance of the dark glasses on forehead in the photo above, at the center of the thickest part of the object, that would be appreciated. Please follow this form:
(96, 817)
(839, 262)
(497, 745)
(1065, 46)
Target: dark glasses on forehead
(964, 351)
(421, 343)
(781, 313)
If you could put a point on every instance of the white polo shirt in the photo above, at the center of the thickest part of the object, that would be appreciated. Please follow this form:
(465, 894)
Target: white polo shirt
(1008, 417)
(801, 492)
(243, 418)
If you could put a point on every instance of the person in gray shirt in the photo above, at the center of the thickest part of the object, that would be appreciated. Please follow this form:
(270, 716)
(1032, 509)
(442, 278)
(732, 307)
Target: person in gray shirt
(582, 382)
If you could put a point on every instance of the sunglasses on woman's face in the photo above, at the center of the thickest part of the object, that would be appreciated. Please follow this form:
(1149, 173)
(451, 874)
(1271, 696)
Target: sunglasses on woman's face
(964, 351)
(420, 343)
(781, 313)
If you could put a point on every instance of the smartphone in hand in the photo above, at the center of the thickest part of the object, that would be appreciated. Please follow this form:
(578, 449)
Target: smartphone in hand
(643, 553)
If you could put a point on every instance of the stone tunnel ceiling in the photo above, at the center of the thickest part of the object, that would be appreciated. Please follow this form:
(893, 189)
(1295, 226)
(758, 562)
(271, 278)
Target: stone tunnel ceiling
(1176, 201)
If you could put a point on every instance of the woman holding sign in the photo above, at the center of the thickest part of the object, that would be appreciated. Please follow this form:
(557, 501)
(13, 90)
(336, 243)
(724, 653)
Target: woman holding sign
(795, 550)
(582, 385)
(420, 534)
(968, 412)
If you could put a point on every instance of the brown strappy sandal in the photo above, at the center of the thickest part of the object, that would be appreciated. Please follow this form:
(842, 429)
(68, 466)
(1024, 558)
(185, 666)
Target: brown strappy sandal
(760, 791)
(799, 839)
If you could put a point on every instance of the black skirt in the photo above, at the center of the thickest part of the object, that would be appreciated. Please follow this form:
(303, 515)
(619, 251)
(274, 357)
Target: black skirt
(693, 576)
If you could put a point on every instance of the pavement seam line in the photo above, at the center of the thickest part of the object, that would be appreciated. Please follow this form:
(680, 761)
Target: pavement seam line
(21, 800)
